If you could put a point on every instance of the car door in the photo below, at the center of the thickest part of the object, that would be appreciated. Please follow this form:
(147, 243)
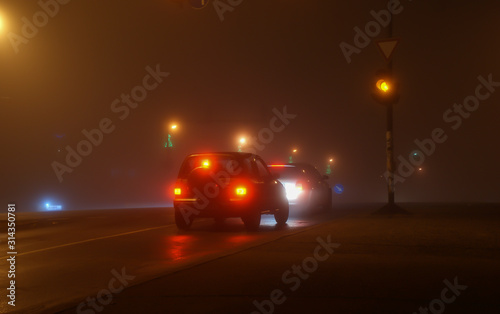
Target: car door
(318, 186)
(268, 188)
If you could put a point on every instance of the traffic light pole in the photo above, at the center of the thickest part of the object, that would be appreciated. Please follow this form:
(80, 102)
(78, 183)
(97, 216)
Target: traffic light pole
(391, 207)
(390, 141)
(390, 157)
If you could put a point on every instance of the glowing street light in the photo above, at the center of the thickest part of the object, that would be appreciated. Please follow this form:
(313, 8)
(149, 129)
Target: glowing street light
(329, 167)
(173, 127)
(242, 141)
(290, 158)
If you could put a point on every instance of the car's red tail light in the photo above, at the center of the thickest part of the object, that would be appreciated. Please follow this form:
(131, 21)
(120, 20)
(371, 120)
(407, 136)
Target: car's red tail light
(180, 190)
(241, 191)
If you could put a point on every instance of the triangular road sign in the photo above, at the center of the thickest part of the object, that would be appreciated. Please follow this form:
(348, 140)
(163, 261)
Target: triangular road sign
(387, 46)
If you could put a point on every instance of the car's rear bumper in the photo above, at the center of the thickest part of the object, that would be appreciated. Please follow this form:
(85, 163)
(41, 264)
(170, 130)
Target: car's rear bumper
(302, 199)
(227, 208)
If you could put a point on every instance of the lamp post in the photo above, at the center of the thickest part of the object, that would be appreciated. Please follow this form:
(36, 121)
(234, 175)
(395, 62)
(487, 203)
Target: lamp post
(241, 142)
(290, 158)
(329, 167)
(171, 129)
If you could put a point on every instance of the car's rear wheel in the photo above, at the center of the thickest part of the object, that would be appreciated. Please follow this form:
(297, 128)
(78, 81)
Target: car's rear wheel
(252, 220)
(282, 213)
(183, 220)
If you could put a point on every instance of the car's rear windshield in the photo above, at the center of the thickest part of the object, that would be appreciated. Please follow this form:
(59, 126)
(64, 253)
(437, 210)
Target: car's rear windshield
(232, 165)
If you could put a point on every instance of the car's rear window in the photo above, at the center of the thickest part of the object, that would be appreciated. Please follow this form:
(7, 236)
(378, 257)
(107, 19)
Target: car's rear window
(232, 165)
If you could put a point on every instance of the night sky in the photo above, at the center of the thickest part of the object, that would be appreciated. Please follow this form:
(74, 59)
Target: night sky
(226, 77)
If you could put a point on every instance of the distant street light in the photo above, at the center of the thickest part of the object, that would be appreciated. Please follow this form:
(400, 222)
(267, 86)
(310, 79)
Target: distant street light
(172, 128)
(242, 141)
(290, 158)
(329, 167)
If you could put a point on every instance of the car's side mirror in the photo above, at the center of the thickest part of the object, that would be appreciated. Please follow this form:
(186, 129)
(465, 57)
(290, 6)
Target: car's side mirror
(325, 177)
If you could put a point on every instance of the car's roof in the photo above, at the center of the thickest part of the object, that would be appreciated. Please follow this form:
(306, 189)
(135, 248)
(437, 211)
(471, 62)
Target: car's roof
(233, 154)
(301, 165)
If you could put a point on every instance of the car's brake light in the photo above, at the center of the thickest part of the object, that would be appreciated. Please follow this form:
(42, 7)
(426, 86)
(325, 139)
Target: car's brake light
(276, 166)
(177, 191)
(205, 163)
(241, 191)
(299, 186)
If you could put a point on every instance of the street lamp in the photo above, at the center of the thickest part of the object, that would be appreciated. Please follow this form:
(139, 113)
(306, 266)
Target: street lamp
(290, 158)
(329, 166)
(172, 128)
(242, 141)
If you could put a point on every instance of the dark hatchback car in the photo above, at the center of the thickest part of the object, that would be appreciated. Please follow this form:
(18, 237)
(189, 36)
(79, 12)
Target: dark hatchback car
(305, 187)
(225, 185)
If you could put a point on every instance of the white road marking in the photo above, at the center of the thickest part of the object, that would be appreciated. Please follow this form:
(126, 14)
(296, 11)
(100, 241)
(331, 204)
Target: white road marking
(86, 241)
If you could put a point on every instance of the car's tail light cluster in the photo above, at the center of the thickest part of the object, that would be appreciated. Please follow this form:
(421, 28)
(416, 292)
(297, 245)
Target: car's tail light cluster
(293, 189)
(180, 190)
(241, 191)
(205, 163)
(238, 191)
